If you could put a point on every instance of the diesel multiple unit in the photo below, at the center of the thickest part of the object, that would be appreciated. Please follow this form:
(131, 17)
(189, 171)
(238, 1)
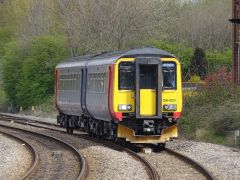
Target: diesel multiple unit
(135, 95)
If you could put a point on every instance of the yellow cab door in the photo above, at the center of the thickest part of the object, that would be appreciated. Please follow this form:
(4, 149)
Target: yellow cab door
(148, 87)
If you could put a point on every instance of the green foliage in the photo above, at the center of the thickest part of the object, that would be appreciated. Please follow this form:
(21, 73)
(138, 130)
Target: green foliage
(5, 37)
(12, 74)
(216, 89)
(47, 109)
(211, 122)
(183, 52)
(31, 82)
(195, 79)
(3, 97)
(198, 64)
(213, 112)
(218, 59)
(38, 70)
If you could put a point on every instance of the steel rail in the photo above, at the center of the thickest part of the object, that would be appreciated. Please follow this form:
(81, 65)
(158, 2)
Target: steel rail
(200, 168)
(83, 164)
(153, 175)
(150, 169)
(31, 149)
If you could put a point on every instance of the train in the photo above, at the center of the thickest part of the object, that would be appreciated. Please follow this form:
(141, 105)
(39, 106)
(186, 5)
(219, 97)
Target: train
(133, 95)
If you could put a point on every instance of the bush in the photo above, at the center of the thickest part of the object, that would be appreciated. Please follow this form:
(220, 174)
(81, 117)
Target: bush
(218, 85)
(29, 71)
(213, 112)
(198, 63)
(218, 59)
(37, 84)
(195, 79)
(216, 88)
(12, 70)
(183, 52)
(5, 37)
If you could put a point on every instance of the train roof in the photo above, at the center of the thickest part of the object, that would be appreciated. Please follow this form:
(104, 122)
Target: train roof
(112, 57)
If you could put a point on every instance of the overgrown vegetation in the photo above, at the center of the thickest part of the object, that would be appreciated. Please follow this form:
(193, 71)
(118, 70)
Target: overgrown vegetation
(212, 113)
(3, 97)
(46, 109)
(28, 72)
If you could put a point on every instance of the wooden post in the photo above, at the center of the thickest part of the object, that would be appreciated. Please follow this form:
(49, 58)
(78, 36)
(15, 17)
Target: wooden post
(235, 41)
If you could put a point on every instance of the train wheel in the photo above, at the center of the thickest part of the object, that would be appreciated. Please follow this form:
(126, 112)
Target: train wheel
(69, 130)
(90, 134)
(122, 142)
(160, 147)
(98, 130)
(116, 140)
(63, 123)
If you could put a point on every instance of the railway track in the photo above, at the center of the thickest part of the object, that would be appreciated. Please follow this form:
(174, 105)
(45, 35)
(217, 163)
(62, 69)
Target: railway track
(54, 155)
(153, 173)
(193, 163)
(31, 149)
(169, 162)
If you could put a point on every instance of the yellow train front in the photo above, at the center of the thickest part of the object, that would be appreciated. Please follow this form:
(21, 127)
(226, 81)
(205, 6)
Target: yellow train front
(147, 98)
(135, 95)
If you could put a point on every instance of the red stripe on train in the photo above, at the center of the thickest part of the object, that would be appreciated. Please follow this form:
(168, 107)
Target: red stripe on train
(115, 115)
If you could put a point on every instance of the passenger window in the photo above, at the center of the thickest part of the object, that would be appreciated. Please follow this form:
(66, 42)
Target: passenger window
(126, 76)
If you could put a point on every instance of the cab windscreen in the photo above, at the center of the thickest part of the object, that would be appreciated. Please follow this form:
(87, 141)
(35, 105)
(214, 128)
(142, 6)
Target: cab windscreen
(126, 76)
(169, 75)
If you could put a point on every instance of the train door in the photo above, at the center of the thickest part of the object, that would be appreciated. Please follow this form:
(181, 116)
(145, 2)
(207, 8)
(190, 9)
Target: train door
(148, 88)
(83, 89)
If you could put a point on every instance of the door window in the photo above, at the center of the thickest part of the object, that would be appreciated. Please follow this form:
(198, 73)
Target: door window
(148, 77)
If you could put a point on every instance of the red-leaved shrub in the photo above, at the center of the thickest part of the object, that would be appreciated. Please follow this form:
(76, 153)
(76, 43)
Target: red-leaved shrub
(218, 84)
(221, 77)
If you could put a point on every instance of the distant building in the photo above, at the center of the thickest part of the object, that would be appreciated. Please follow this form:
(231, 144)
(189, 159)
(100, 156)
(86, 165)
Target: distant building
(236, 40)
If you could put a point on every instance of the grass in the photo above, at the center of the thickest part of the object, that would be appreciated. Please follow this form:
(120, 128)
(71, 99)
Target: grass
(205, 120)
(46, 109)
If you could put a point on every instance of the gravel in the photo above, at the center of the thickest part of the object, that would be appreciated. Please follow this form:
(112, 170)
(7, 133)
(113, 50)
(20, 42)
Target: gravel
(223, 162)
(55, 160)
(171, 168)
(103, 162)
(109, 164)
(14, 157)
(50, 120)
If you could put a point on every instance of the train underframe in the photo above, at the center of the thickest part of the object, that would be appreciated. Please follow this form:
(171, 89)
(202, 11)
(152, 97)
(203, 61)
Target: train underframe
(129, 130)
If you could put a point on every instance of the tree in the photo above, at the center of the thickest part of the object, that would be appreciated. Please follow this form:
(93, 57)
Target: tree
(29, 71)
(199, 64)
(205, 25)
(37, 84)
(12, 74)
(92, 25)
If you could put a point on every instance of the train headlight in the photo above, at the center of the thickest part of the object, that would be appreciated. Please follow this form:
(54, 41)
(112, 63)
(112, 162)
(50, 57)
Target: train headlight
(169, 107)
(125, 107)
